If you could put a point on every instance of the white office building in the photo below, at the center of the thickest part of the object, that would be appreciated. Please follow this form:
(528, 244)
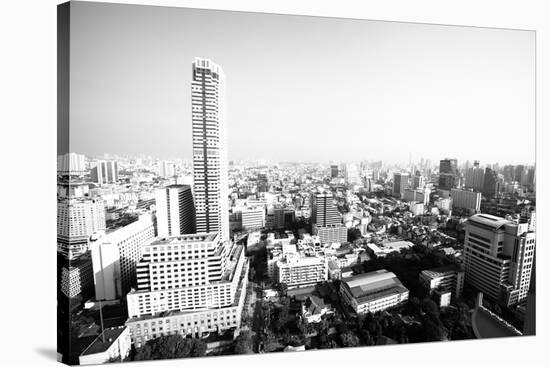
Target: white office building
(253, 218)
(210, 181)
(498, 257)
(115, 255)
(187, 284)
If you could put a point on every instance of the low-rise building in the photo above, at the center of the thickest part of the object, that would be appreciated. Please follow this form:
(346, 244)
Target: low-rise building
(374, 291)
(447, 278)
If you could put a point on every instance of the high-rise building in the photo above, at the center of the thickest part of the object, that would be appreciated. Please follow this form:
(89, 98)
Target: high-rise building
(400, 182)
(418, 181)
(491, 184)
(448, 174)
(187, 284)
(175, 210)
(262, 183)
(210, 181)
(77, 220)
(334, 170)
(323, 210)
(474, 178)
(167, 169)
(465, 199)
(105, 172)
(115, 255)
(352, 174)
(499, 257)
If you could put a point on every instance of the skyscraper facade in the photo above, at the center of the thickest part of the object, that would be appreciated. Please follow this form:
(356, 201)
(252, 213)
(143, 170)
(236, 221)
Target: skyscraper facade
(323, 210)
(175, 210)
(448, 174)
(499, 257)
(210, 181)
(400, 181)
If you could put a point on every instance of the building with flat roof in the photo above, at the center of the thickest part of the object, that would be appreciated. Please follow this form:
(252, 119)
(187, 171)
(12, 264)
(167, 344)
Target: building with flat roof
(299, 270)
(374, 291)
(336, 233)
(498, 257)
(189, 284)
(447, 278)
(112, 344)
(115, 255)
(464, 199)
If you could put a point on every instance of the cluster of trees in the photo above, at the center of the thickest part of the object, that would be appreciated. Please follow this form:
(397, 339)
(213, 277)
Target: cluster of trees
(407, 265)
(169, 347)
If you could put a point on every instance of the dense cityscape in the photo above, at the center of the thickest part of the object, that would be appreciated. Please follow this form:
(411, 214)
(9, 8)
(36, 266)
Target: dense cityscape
(210, 256)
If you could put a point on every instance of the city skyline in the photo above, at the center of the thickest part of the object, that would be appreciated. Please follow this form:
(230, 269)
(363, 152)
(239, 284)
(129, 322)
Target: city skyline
(405, 89)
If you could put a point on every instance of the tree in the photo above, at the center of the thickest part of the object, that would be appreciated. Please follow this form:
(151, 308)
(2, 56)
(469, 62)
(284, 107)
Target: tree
(171, 346)
(243, 343)
(349, 339)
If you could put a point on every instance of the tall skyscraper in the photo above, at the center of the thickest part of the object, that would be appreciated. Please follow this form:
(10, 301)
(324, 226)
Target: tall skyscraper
(210, 181)
(499, 257)
(175, 210)
(400, 181)
(448, 174)
(491, 185)
(474, 178)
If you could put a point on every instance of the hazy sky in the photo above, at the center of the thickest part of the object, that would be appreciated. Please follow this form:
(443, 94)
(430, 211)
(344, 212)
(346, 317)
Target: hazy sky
(301, 88)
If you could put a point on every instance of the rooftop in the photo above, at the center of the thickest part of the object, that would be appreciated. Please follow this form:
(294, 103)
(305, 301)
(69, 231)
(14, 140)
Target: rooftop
(487, 220)
(98, 346)
(374, 285)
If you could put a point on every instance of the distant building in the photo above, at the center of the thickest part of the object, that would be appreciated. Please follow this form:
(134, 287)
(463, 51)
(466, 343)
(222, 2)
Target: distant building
(475, 178)
(104, 172)
(112, 344)
(448, 174)
(167, 169)
(491, 184)
(323, 210)
(400, 182)
(175, 210)
(464, 199)
(419, 195)
(334, 171)
(372, 292)
(447, 279)
(498, 257)
(337, 233)
(418, 182)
